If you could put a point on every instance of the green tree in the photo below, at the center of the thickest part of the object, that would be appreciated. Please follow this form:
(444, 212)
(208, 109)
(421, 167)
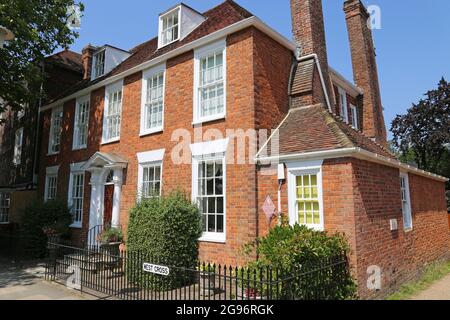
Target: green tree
(40, 27)
(422, 134)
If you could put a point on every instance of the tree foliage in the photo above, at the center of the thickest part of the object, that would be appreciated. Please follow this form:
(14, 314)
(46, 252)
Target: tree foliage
(40, 27)
(422, 135)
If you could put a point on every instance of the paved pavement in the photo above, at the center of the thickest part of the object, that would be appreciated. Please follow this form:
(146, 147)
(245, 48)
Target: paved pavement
(26, 282)
(438, 291)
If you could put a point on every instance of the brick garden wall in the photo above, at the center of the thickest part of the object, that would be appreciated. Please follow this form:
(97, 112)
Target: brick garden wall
(400, 255)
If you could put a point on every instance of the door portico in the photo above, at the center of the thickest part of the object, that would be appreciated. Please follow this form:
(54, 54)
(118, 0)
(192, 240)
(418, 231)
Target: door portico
(106, 169)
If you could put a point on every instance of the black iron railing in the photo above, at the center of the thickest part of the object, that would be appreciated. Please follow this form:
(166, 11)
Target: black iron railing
(138, 276)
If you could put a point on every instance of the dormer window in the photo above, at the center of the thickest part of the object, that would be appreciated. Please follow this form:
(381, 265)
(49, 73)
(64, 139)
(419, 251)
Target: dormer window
(105, 59)
(170, 27)
(99, 64)
(176, 23)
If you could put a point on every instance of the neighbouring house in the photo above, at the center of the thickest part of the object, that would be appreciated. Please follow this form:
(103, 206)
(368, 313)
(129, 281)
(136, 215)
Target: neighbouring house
(20, 142)
(181, 111)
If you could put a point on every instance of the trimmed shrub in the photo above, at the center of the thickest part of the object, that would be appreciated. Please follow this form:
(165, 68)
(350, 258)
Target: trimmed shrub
(163, 230)
(315, 262)
(44, 219)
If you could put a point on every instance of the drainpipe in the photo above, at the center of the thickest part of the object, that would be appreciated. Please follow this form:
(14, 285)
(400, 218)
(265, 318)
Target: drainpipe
(281, 179)
(38, 121)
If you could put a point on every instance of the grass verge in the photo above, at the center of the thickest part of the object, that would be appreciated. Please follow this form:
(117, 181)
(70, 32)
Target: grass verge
(432, 273)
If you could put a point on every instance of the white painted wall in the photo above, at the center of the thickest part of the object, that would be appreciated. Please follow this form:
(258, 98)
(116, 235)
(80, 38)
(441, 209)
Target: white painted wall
(190, 20)
(114, 57)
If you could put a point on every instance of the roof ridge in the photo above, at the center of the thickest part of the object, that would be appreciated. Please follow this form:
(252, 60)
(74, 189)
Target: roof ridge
(235, 6)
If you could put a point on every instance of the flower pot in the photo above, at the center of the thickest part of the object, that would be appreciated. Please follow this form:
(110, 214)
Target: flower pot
(252, 294)
(111, 248)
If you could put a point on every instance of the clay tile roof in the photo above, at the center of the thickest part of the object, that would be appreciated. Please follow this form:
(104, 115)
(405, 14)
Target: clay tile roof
(217, 18)
(303, 77)
(314, 128)
(67, 59)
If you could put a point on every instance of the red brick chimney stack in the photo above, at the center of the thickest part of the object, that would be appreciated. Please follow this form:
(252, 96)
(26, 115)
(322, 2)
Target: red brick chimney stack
(365, 69)
(309, 34)
(86, 56)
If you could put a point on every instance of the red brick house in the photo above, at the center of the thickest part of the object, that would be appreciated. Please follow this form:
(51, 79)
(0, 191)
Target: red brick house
(182, 110)
(19, 139)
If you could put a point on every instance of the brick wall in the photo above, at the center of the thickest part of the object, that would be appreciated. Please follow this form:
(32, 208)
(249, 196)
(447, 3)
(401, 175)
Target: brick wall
(400, 255)
(360, 198)
(256, 97)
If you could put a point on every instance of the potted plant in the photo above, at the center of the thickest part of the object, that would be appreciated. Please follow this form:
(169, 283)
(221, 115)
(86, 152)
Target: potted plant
(207, 279)
(53, 236)
(110, 240)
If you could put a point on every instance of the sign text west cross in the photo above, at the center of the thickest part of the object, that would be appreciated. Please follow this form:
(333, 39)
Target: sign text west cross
(153, 268)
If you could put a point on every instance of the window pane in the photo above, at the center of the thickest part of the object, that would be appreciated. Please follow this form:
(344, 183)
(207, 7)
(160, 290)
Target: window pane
(220, 205)
(219, 223)
(211, 223)
(212, 205)
(210, 187)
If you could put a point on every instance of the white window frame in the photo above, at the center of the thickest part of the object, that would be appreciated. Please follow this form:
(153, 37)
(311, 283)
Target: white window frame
(146, 159)
(76, 127)
(406, 201)
(296, 169)
(213, 151)
(5, 196)
(115, 87)
(95, 63)
(161, 25)
(355, 118)
(199, 54)
(343, 104)
(76, 169)
(51, 173)
(51, 142)
(149, 74)
(18, 146)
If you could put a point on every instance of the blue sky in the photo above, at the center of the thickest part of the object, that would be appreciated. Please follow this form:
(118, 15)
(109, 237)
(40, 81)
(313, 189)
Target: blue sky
(413, 47)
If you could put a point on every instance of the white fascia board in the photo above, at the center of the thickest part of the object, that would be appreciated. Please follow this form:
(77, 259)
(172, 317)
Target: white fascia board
(341, 81)
(355, 153)
(252, 21)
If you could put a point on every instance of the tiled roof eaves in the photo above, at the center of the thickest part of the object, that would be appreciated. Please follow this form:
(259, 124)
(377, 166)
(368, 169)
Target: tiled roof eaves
(328, 133)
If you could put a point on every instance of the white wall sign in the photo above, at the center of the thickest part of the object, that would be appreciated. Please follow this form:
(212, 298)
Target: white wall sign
(153, 268)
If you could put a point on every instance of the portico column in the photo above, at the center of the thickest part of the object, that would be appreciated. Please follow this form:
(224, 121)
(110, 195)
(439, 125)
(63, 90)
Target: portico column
(118, 180)
(95, 202)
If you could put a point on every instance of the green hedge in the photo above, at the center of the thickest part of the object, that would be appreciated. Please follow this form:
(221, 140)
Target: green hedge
(51, 216)
(163, 231)
(314, 258)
